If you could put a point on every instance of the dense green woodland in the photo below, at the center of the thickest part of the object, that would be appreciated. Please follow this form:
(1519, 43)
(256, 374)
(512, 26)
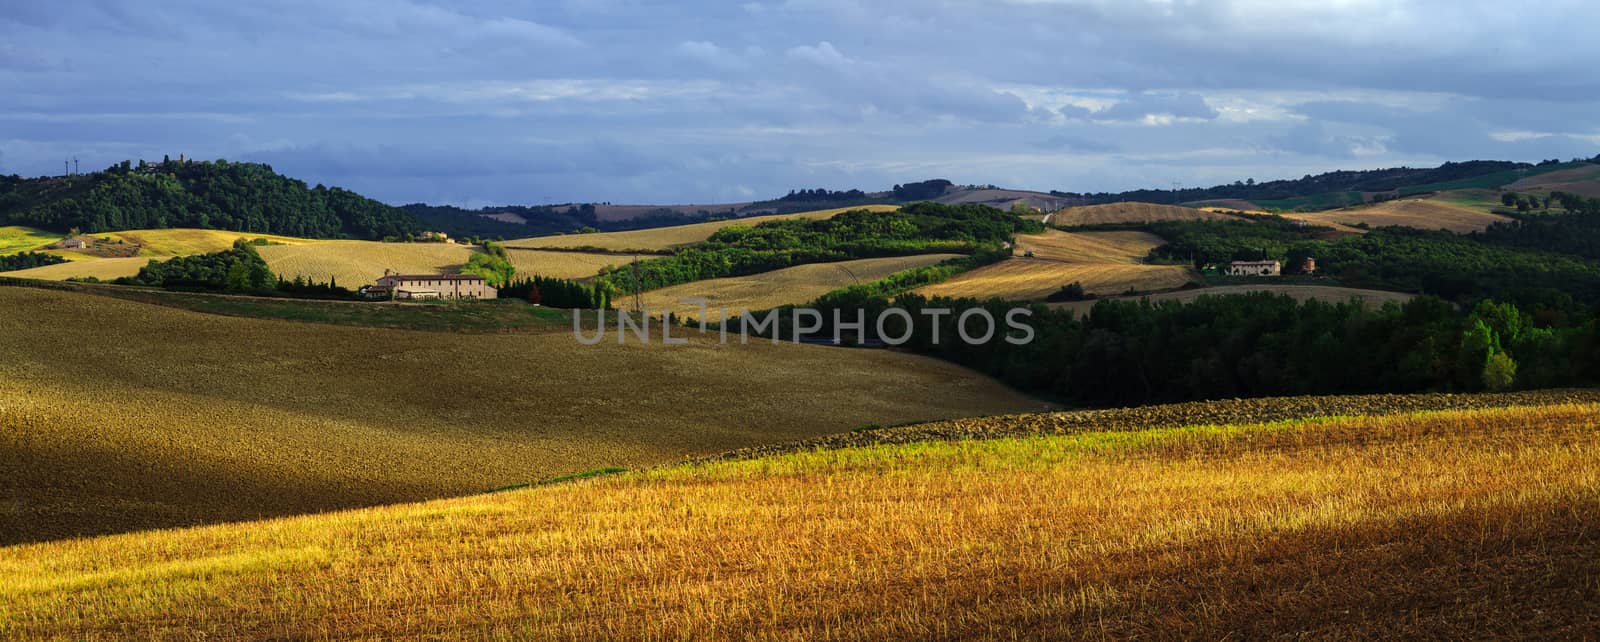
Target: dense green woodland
(25, 260)
(1513, 262)
(919, 228)
(1245, 345)
(199, 194)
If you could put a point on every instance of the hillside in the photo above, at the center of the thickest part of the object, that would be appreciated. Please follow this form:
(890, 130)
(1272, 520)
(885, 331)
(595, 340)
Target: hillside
(789, 286)
(666, 238)
(1343, 187)
(1105, 263)
(245, 197)
(1111, 213)
(121, 416)
(1420, 213)
(1463, 523)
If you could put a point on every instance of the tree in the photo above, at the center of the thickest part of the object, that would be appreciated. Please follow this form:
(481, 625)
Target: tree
(1508, 199)
(1499, 372)
(533, 294)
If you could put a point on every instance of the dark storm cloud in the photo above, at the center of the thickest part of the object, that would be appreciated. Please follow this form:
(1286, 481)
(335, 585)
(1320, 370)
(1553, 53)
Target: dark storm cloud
(620, 100)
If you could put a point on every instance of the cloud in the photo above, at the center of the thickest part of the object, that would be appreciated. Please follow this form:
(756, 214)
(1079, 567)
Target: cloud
(709, 54)
(621, 100)
(1143, 106)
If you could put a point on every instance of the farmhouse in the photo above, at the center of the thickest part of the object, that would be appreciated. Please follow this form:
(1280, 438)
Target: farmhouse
(431, 286)
(1255, 268)
(74, 244)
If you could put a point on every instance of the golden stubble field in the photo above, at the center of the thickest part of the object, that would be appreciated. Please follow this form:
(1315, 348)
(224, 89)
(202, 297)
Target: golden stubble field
(116, 416)
(1420, 213)
(1459, 524)
(795, 285)
(1132, 212)
(1106, 263)
(666, 238)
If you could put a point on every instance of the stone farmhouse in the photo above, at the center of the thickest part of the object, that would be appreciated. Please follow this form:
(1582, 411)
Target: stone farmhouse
(430, 286)
(1255, 268)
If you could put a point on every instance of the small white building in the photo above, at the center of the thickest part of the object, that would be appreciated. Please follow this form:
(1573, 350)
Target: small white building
(74, 244)
(1255, 268)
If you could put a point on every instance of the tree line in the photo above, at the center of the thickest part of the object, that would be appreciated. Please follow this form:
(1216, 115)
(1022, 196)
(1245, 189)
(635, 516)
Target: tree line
(919, 228)
(25, 260)
(1125, 353)
(198, 194)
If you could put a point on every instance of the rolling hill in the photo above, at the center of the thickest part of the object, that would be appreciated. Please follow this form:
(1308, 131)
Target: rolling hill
(1421, 213)
(1460, 523)
(121, 416)
(247, 197)
(666, 238)
(788, 286)
(1131, 213)
(1105, 263)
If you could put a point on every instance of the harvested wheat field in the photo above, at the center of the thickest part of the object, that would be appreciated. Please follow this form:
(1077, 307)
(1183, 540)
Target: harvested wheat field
(1421, 213)
(1089, 247)
(1302, 293)
(1583, 181)
(356, 263)
(666, 238)
(563, 264)
(118, 416)
(1457, 524)
(1020, 279)
(103, 269)
(789, 286)
(1131, 213)
(1105, 263)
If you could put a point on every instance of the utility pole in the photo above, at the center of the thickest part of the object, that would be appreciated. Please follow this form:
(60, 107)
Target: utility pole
(1176, 187)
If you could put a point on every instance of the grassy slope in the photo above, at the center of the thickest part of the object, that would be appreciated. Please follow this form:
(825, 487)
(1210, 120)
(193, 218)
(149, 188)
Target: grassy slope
(16, 238)
(120, 415)
(789, 286)
(1106, 263)
(1455, 524)
(664, 238)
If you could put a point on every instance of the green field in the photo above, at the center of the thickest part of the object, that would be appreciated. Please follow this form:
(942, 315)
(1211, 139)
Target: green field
(15, 238)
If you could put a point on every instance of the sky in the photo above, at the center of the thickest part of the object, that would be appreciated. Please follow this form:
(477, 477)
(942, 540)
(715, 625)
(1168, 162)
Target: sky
(624, 101)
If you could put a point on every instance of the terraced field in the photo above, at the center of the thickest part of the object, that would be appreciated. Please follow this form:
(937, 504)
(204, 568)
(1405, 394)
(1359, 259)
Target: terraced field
(666, 238)
(1421, 213)
(1106, 263)
(118, 416)
(1463, 523)
(768, 290)
(1369, 298)
(1131, 212)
